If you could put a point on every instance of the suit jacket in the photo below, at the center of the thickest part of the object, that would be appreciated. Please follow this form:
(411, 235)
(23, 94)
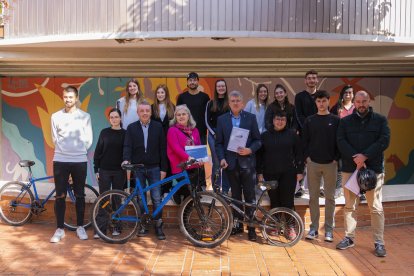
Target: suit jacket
(224, 127)
(134, 148)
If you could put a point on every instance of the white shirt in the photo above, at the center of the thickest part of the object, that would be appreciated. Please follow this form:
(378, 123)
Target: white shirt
(131, 116)
(72, 135)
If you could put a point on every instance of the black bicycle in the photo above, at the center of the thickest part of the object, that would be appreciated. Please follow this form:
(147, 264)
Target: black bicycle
(280, 226)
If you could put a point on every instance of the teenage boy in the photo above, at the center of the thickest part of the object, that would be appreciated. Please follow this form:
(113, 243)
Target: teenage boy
(72, 136)
(321, 155)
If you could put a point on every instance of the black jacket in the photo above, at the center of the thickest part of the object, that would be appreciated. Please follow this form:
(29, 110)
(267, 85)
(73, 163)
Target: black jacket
(304, 107)
(369, 135)
(134, 150)
(281, 151)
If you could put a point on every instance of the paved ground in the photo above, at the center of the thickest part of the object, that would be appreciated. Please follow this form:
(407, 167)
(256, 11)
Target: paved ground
(26, 250)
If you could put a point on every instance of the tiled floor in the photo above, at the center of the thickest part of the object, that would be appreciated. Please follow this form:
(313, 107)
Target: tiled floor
(26, 250)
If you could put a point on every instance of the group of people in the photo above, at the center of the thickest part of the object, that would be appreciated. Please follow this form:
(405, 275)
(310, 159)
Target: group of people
(283, 139)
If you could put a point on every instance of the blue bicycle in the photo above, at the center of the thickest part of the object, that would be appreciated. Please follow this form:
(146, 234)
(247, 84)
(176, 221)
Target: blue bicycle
(204, 217)
(18, 204)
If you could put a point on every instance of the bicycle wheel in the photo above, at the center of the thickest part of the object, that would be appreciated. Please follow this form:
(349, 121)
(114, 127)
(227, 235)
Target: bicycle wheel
(282, 227)
(212, 227)
(15, 203)
(117, 228)
(70, 214)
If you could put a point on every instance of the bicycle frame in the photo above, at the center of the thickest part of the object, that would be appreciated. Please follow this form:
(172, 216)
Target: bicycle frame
(141, 192)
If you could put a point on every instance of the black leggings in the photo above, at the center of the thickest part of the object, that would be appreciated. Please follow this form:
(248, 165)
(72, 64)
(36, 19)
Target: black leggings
(61, 172)
(283, 195)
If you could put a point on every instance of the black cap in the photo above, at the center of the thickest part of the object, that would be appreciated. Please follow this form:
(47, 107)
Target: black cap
(192, 75)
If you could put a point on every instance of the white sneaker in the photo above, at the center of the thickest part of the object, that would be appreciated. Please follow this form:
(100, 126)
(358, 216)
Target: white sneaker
(96, 236)
(116, 233)
(59, 234)
(81, 233)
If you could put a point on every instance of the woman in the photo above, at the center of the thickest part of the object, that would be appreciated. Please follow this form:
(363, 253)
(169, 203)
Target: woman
(345, 105)
(281, 103)
(214, 108)
(286, 166)
(163, 111)
(182, 132)
(343, 108)
(128, 104)
(258, 105)
(108, 159)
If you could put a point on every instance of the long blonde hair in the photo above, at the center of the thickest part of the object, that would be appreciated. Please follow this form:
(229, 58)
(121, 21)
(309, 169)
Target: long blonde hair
(128, 95)
(168, 104)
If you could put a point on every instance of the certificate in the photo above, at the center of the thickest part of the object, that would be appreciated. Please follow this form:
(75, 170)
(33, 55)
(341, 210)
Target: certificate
(352, 183)
(197, 152)
(238, 139)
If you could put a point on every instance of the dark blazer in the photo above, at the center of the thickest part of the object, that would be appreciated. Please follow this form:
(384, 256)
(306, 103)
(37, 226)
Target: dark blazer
(224, 127)
(134, 149)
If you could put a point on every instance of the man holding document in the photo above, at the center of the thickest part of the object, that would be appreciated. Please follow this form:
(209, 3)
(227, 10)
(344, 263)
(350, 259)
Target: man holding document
(238, 139)
(362, 139)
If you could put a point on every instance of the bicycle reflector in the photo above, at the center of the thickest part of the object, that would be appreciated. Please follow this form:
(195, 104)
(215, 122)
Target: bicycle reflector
(367, 180)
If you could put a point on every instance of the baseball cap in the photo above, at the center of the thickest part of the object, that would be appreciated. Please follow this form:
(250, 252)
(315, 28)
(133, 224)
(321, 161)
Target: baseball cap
(192, 75)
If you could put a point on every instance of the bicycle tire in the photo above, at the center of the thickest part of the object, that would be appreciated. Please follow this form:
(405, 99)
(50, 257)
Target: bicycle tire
(103, 223)
(11, 194)
(70, 214)
(283, 227)
(208, 231)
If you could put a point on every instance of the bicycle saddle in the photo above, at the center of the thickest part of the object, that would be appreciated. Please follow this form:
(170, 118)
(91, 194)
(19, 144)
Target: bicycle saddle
(272, 184)
(26, 163)
(130, 167)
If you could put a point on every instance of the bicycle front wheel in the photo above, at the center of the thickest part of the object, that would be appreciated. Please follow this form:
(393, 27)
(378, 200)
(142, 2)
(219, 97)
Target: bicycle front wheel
(206, 222)
(115, 219)
(282, 227)
(15, 203)
(70, 214)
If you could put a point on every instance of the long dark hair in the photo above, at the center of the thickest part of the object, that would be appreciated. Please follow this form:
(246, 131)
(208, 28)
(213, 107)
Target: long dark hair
(117, 111)
(286, 100)
(168, 104)
(256, 97)
(340, 103)
(214, 106)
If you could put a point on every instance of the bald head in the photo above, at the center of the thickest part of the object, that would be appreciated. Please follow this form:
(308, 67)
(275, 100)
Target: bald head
(361, 102)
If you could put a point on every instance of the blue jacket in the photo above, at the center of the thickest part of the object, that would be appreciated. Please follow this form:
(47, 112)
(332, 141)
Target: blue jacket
(369, 135)
(224, 127)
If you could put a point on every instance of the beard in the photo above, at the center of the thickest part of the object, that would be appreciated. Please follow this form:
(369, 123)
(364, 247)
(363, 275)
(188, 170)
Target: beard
(192, 86)
(362, 110)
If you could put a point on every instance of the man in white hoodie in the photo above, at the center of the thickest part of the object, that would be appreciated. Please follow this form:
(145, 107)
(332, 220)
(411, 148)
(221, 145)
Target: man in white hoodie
(72, 136)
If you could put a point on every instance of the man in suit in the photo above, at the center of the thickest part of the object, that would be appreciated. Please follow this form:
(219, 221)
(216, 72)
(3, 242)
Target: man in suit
(241, 165)
(145, 144)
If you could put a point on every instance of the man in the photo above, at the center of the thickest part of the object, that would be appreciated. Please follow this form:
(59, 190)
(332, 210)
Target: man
(362, 139)
(305, 106)
(196, 101)
(321, 155)
(145, 144)
(240, 166)
(72, 136)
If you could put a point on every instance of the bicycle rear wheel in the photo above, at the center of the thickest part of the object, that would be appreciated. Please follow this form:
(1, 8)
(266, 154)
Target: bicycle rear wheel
(210, 225)
(117, 228)
(70, 214)
(15, 203)
(282, 227)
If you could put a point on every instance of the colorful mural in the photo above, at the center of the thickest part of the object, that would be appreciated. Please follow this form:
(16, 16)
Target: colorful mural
(27, 104)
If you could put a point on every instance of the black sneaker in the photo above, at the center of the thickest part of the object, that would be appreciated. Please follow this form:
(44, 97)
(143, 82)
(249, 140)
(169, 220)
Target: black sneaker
(299, 193)
(142, 232)
(362, 198)
(380, 250)
(237, 229)
(252, 234)
(345, 243)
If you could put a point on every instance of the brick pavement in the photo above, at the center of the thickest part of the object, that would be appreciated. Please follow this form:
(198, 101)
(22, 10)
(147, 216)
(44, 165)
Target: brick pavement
(26, 250)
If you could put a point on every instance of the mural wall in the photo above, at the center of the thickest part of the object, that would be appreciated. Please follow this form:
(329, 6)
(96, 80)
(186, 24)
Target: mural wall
(27, 104)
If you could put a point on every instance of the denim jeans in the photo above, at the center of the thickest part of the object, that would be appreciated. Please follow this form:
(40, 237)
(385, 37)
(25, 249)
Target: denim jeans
(216, 165)
(151, 175)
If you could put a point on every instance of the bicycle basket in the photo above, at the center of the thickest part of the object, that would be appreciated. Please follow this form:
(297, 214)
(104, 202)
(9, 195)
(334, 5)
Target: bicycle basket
(367, 180)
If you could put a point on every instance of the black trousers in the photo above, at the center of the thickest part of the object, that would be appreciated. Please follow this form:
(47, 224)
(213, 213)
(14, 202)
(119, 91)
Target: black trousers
(284, 194)
(61, 172)
(242, 182)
